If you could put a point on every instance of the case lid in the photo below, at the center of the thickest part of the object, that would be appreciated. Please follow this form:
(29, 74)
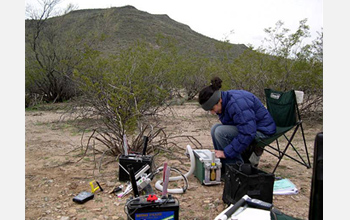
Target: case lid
(205, 155)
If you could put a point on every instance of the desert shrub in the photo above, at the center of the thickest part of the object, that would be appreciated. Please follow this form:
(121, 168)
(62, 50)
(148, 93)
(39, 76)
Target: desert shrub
(125, 90)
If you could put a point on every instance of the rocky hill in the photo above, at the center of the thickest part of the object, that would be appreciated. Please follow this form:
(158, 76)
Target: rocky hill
(122, 26)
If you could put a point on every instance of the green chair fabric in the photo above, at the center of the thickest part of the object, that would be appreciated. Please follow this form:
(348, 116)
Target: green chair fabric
(279, 132)
(281, 106)
(284, 110)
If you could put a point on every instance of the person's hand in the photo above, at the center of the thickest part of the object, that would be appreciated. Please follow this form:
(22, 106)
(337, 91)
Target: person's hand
(219, 154)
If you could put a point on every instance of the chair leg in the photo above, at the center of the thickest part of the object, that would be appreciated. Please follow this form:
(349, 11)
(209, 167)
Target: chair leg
(307, 153)
(285, 149)
(278, 148)
(301, 161)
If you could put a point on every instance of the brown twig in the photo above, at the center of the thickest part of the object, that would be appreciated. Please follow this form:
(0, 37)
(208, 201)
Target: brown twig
(87, 146)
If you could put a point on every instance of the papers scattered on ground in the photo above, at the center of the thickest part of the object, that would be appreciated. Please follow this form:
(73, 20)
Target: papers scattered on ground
(284, 187)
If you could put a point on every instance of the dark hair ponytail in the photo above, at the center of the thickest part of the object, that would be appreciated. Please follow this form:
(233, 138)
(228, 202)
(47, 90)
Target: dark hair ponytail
(208, 91)
(216, 83)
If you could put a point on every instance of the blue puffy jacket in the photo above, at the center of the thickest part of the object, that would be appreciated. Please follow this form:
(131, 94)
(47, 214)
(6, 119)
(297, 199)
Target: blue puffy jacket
(245, 111)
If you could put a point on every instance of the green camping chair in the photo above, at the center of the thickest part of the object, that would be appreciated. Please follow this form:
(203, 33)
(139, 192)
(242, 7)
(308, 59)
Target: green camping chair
(283, 108)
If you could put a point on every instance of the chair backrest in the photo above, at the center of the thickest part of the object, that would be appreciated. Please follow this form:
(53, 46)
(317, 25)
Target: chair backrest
(282, 107)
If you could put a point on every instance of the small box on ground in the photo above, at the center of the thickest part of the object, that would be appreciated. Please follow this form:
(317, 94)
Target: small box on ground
(208, 168)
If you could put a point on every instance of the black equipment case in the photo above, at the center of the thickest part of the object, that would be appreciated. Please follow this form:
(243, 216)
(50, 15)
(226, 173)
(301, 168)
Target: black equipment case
(244, 179)
(137, 161)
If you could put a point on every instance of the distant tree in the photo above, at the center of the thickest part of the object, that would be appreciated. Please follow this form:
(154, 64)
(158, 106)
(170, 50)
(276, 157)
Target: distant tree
(296, 65)
(285, 50)
(50, 56)
(250, 72)
(48, 62)
(125, 90)
(193, 72)
(283, 63)
(317, 47)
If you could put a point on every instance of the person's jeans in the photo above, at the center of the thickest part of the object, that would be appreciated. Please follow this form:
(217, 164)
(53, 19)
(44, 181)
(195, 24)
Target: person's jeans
(222, 136)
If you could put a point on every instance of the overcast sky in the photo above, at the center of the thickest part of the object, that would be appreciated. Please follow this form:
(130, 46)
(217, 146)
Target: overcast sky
(239, 21)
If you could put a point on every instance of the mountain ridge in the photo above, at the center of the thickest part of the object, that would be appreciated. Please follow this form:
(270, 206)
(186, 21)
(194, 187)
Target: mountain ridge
(124, 25)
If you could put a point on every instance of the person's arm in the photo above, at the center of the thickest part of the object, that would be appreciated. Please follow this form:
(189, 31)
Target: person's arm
(244, 118)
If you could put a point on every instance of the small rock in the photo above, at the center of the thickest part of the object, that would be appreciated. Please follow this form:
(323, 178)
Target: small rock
(185, 204)
(110, 184)
(72, 211)
(220, 208)
(72, 185)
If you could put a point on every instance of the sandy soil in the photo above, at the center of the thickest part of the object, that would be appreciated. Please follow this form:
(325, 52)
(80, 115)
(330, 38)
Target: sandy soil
(53, 176)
